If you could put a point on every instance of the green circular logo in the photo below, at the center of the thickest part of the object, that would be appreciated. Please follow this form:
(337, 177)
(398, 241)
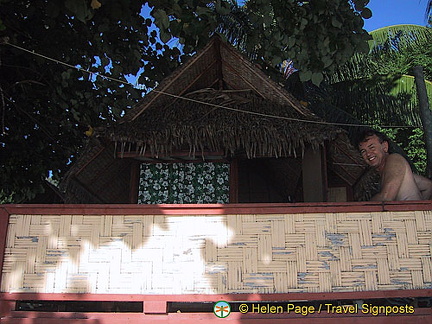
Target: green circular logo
(222, 309)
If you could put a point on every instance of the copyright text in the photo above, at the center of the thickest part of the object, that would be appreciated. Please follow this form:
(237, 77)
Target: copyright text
(304, 310)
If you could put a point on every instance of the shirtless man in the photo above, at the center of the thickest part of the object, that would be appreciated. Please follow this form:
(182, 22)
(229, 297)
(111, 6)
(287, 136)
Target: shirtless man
(397, 180)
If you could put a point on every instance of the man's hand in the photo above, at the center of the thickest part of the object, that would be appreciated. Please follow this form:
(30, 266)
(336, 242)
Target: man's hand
(424, 185)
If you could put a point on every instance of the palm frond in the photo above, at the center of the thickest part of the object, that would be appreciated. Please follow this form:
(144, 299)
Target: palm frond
(385, 100)
(388, 44)
(360, 66)
(399, 38)
(236, 27)
(406, 84)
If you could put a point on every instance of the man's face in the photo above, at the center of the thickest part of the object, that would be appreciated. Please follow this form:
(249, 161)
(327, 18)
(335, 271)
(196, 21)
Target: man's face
(374, 152)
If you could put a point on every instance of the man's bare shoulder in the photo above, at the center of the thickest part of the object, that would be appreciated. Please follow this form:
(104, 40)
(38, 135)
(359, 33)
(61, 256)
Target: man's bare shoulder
(396, 157)
(396, 160)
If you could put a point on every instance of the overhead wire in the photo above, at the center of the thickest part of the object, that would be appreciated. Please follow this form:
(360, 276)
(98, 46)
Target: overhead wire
(97, 74)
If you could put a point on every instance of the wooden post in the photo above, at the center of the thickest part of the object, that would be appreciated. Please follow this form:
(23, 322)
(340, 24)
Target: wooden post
(134, 182)
(4, 224)
(233, 181)
(425, 114)
(313, 177)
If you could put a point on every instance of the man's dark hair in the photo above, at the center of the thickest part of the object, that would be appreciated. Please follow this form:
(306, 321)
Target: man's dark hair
(367, 132)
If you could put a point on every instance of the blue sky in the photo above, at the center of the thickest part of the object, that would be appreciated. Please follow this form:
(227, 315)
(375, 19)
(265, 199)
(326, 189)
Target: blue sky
(395, 12)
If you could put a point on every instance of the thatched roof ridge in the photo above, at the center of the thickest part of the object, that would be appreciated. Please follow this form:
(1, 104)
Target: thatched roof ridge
(217, 65)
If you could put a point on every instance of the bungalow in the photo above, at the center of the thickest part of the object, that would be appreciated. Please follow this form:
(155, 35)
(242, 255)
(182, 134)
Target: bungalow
(218, 130)
(219, 196)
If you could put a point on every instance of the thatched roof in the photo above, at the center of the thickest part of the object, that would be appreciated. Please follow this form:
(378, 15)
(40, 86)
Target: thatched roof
(251, 125)
(218, 66)
(219, 101)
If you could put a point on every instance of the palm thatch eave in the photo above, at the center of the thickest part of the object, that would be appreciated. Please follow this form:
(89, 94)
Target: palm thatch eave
(222, 121)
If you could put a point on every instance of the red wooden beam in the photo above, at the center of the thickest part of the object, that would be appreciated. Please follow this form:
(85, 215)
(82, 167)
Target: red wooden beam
(297, 296)
(4, 223)
(420, 316)
(155, 307)
(217, 209)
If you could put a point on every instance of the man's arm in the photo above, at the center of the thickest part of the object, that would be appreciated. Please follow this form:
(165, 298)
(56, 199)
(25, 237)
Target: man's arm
(424, 185)
(391, 178)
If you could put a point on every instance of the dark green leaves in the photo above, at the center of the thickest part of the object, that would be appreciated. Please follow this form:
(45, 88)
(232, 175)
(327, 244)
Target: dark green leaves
(366, 13)
(48, 106)
(161, 18)
(318, 36)
(79, 8)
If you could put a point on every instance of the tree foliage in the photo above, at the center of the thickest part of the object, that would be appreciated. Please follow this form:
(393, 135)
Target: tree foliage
(46, 107)
(393, 49)
(317, 35)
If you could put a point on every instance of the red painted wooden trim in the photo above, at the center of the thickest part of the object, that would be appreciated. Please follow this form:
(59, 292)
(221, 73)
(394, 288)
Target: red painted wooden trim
(350, 295)
(6, 307)
(4, 223)
(66, 320)
(155, 303)
(217, 209)
(401, 206)
(423, 315)
(230, 319)
(155, 307)
(293, 315)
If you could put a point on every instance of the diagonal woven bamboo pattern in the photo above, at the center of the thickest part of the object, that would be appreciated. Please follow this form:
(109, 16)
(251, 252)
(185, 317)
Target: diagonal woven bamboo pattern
(152, 254)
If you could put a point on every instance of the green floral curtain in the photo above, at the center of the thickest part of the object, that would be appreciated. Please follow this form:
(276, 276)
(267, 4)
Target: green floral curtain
(184, 183)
